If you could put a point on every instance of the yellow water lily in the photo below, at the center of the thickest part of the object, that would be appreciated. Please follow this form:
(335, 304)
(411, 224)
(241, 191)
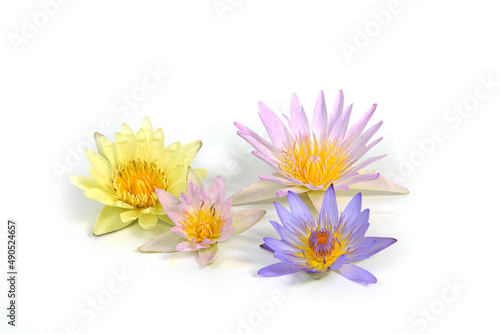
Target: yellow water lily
(125, 175)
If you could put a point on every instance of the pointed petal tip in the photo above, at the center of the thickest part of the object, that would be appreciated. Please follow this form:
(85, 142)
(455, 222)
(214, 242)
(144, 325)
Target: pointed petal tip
(280, 193)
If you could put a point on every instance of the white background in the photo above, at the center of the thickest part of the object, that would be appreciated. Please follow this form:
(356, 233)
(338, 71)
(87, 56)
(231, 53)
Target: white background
(65, 80)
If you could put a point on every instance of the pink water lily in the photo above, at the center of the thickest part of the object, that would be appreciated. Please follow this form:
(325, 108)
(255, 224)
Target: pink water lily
(202, 219)
(308, 158)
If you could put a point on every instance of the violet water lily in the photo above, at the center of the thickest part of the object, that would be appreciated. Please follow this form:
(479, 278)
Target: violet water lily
(202, 219)
(327, 243)
(310, 157)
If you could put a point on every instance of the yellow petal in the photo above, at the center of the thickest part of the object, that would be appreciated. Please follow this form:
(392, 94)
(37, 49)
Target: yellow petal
(157, 144)
(101, 195)
(83, 182)
(104, 181)
(98, 144)
(108, 221)
(178, 188)
(188, 152)
(99, 162)
(148, 221)
(201, 173)
(129, 134)
(177, 175)
(141, 150)
(109, 149)
(158, 210)
(180, 181)
(168, 158)
(130, 215)
(147, 210)
(165, 219)
(106, 198)
(191, 176)
(147, 128)
(124, 150)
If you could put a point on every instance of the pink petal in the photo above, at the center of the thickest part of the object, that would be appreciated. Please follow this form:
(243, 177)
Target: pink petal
(226, 207)
(359, 152)
(278, 179)
(254, 139)
(186, 246)
(206, 242)
(361, 178)
(267, 160)
(340, 128)
(367, 162)
(366, 136)
(379, 184)
(187, 205)
(175, 216)
(275, 128)
(296, 190)
(338, 107)
(208, 255)
(179, 230)
(217, 191)
(189, 246)
(193, 193)
(167, 200)
(299, 125)
(229, 233)
(356, 130)
(320, 117)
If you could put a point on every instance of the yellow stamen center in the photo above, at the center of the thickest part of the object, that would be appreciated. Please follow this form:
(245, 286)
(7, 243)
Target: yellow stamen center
(313, 162)
(136, 181)
(323, 245)
(207, 225)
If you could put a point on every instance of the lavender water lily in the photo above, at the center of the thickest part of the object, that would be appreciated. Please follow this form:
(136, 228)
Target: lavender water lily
(308, 158)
